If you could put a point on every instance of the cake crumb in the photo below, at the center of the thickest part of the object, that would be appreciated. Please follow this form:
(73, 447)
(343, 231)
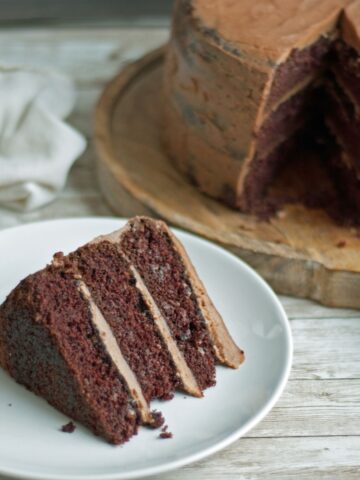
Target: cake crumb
(164, 433)
(68, 428)
(158, 419)
(9, 404)
(341, 244)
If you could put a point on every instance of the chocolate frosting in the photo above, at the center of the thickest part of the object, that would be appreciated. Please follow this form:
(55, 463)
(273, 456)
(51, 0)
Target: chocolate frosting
(268, 28)
(350, 26)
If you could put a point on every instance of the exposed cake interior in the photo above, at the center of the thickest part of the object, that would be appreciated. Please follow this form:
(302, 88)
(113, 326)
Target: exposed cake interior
(113, 287)
(301, 68)
(346, 68)
(151, 251)
(343, 122)
(300, 120)
(57, 353)
(256, 197)
(349, 186)
(342, 116)
(288, 126)
(294, 96)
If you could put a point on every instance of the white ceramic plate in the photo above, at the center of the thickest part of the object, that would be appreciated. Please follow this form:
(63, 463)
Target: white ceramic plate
(31, 445)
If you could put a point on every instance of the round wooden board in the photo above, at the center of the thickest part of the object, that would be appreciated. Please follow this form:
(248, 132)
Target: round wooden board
(301, 252)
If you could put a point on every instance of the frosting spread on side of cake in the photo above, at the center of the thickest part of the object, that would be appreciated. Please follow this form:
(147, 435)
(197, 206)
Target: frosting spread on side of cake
(350, 25)
(269, 29)
(226, 350)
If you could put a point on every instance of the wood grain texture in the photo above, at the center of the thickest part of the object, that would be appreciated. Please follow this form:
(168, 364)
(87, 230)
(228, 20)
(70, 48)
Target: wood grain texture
(297, 252)
(304, 458)
(313, 431)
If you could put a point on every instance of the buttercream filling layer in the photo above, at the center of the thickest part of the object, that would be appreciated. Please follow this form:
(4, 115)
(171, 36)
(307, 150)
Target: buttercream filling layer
(111, 346)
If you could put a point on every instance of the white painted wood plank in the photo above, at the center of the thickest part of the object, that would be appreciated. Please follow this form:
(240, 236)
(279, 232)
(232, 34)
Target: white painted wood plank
(308, 458)
(326, 348)
(91, 57)
(305, 458)
(313, 408)
(300, 308)
(314, 421)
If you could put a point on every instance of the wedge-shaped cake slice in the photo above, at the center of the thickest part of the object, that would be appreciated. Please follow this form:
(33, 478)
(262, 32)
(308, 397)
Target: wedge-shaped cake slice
(101, 332)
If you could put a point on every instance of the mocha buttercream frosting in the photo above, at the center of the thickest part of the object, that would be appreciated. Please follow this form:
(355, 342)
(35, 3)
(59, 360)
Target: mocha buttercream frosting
(350, 26)
(270, 29)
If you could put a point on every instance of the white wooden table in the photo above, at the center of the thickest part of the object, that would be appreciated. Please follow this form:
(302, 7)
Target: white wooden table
(314, 430)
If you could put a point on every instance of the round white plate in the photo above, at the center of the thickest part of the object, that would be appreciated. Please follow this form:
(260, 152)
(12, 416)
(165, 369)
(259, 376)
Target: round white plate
(31, 445)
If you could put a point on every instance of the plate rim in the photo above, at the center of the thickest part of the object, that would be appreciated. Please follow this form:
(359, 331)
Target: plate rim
(186, 460)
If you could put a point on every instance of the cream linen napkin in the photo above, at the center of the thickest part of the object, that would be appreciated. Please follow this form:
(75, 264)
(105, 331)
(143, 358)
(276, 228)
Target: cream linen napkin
(37, 147)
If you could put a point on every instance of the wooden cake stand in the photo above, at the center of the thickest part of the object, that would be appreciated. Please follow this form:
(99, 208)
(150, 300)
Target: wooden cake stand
(300, 252)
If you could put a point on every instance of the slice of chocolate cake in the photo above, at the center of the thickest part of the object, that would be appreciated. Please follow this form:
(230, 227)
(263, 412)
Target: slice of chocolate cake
(171, 279)
(120, 321)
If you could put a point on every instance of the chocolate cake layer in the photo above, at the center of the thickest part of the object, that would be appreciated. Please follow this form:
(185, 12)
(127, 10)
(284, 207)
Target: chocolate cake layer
(348, 184)
(262, 174)
(112, 285)
(301, 65)
(346, 68)
(281, 124)
(50, 345)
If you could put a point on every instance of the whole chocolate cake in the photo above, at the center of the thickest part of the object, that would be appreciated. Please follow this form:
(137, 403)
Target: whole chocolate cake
(119, 322)
(246, 82)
